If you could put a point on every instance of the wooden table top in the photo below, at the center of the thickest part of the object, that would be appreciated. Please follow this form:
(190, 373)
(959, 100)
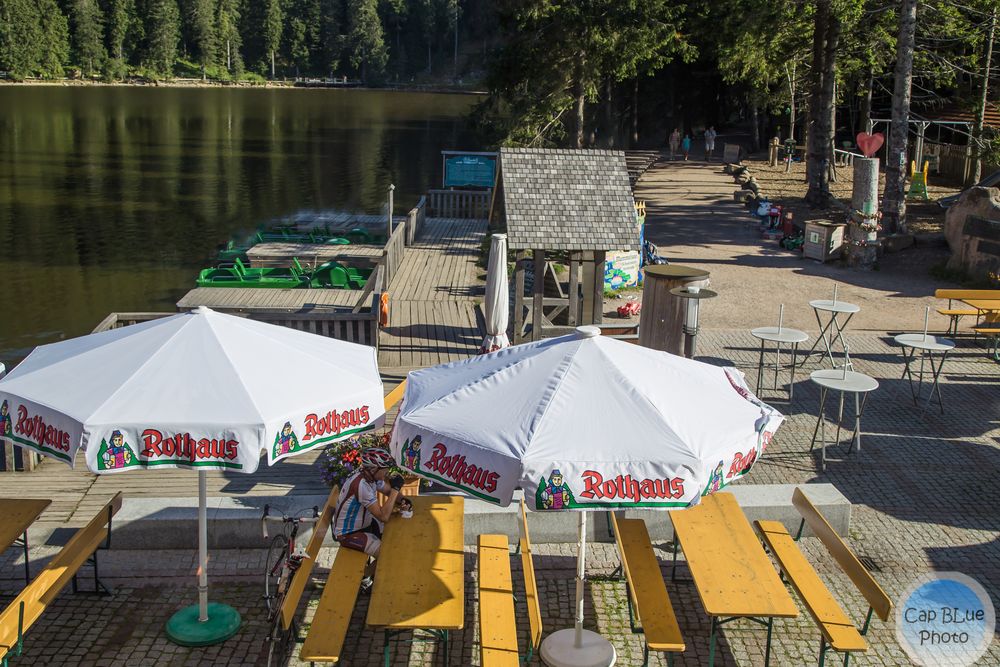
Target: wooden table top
(731, 571)
(984, 304)
(420, 579)
(16, 514)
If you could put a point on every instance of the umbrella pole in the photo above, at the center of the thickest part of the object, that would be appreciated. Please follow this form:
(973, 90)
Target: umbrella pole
(581, 559)
(203, 624)
(202, 548)
(576, 647)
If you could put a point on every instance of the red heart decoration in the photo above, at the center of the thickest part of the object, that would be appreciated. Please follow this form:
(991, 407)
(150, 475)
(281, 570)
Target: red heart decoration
(870, 143)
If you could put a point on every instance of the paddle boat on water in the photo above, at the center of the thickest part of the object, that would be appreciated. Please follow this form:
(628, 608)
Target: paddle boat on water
(331, 275)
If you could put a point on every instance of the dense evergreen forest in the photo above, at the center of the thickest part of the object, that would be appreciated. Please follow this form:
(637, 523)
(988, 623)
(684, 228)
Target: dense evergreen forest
(376, 41)
(609, 73)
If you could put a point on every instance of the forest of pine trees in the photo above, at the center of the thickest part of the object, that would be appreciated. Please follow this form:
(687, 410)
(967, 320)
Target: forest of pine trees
(373, 40)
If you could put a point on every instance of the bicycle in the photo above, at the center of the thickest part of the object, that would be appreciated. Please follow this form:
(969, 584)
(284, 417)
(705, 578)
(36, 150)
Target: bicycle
(283, 560)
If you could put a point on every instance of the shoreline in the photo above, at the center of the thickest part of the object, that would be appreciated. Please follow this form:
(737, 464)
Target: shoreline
(198, 83)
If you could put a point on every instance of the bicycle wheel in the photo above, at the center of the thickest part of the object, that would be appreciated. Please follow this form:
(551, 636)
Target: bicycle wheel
(274, 570)
(279, 641)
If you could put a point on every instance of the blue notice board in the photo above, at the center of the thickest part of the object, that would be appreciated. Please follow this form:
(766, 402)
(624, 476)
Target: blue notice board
(469, 170)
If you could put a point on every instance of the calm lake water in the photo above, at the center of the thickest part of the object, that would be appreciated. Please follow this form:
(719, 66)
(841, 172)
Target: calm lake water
(112, 198)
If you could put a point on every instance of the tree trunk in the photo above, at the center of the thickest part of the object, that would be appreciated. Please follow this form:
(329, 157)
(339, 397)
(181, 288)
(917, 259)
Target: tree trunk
(894, 196)
(977, 130)
(754, 126)
(610, 126)
(272, 64)
(866, 103)
(578, 104)
(791, 105)
(826, 37)
(635, 112)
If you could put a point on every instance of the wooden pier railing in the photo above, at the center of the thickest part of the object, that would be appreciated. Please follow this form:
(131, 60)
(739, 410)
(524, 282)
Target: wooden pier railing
(415, 220)
(459, 204)
(118, 320)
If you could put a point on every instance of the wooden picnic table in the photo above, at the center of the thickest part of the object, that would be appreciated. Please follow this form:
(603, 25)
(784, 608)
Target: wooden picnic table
(733, 575)
(16, 514)
(420, 577)
(988, 307)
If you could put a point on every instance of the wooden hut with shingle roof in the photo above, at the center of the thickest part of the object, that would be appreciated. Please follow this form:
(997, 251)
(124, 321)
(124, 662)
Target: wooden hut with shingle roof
(565, 206)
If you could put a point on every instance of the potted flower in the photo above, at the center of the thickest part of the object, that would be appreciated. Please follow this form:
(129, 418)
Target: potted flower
(342, 459)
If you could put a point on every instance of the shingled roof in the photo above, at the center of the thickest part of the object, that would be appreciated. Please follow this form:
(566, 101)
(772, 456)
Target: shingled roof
(566, 199)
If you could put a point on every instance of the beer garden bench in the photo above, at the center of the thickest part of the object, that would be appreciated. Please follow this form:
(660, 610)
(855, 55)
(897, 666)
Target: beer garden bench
(29, 605)
(837, 629)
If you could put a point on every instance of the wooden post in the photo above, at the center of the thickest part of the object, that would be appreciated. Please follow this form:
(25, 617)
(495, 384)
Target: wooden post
(574, 289)
(599, 256)
(864, 203)
(588, 287)
(519, 261)
(388, 233)
(539, 294)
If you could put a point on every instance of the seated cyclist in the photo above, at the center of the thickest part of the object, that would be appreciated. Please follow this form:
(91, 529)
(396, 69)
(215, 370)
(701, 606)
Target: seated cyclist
(359, 517)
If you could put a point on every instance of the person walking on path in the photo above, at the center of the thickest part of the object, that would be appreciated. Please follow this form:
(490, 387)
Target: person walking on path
(675, 142)
(686, 146)
(710, 135)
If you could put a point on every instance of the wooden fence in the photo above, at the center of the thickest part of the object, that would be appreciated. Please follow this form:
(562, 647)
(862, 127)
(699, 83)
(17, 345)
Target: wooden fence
(392, 255)
(360, 327)
(459, 204)
(955, 162)
(415, 220)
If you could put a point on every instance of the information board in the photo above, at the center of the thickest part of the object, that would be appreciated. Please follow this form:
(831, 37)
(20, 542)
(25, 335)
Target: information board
(469, 170)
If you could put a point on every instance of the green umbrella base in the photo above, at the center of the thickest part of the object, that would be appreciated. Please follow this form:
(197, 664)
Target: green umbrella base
(184, 629)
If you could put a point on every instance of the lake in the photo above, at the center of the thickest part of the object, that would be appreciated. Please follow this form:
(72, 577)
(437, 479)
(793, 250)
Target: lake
(112, 198)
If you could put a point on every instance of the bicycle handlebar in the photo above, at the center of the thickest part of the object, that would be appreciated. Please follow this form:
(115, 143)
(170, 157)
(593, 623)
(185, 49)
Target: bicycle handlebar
(286, 519)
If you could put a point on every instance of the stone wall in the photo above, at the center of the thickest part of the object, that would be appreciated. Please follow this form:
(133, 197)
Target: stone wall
(972, 227)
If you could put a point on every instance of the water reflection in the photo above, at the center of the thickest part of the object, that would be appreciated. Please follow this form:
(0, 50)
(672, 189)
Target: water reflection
(110, 198)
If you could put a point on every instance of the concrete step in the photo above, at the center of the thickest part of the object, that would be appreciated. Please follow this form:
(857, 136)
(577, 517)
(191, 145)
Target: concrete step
(172, 523)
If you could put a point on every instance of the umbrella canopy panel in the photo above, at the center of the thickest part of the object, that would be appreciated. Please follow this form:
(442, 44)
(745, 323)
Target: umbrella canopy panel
(582, 423)
(199, 389)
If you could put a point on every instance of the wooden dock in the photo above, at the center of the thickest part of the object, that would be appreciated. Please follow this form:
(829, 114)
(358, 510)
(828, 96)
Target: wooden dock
(311, 255)
(241, 299)
(436, 317)
(435, 297)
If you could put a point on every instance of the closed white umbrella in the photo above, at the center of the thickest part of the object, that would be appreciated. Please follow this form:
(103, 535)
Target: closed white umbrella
(198, 390)
(497, 299)
(582, 422)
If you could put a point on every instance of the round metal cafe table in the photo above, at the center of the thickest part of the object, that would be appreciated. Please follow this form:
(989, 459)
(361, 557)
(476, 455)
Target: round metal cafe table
(845, 382)
(779, 336)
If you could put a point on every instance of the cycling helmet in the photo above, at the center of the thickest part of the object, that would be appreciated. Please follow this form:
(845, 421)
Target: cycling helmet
(376, 457)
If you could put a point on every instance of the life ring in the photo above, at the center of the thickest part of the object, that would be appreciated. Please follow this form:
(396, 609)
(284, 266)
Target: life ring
(383, 310)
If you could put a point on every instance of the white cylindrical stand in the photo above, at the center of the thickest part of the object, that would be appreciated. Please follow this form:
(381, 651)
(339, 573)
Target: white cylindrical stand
(577, 647)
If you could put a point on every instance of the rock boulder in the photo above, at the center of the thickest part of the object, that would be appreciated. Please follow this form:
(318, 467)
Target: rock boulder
(972, 228)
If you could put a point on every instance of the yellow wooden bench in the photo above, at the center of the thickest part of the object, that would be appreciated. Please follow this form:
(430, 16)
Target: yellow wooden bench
(497, 625)
(300, 578)
(649, 608)
(837, 629)
(28, 607)
(955, 314)
(530, 587)
(336, 606)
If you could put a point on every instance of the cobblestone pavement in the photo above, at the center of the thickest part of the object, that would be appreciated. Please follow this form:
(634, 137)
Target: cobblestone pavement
(925, 497)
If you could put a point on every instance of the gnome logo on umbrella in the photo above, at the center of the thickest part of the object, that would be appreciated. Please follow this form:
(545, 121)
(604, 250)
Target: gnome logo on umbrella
(6, 427)
(554, 495)
(116, 454)
(285, 442)
(410, 456)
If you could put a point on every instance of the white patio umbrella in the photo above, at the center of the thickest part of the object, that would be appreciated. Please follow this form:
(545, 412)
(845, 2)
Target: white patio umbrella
(197, 390)
(497, 299)
(582, 422)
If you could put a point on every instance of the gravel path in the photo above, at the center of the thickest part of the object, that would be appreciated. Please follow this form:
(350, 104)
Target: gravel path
(692, 218)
